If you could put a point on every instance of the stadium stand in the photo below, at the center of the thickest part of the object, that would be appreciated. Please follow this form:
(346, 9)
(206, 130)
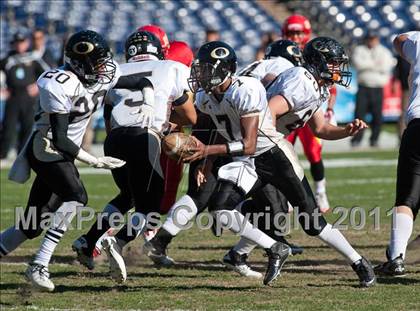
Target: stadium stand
(242, 22)
(350, 20)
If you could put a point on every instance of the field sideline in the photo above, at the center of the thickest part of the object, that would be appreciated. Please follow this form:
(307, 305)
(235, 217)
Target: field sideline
(317, 280)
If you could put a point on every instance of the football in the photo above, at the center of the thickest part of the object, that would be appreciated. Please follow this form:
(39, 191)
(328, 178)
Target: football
(176, 145)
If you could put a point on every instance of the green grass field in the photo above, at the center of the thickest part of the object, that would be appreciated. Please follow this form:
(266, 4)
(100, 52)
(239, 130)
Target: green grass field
(317, 280)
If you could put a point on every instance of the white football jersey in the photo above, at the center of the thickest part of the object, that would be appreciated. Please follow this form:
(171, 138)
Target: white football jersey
(259, 69)
(411, 52)
(60, 91)
(303, 94)
(170, 81)
(246, 96)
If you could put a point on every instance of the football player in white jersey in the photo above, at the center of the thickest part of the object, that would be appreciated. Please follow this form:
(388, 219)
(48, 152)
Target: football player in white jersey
(68, 97)
(238, 108)
(278, 164)
(407, 201)
(279, 56)
(137, 141)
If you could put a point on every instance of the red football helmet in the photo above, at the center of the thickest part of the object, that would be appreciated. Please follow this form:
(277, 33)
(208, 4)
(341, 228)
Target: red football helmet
(180, 51)
(158, 32)
(297, 28)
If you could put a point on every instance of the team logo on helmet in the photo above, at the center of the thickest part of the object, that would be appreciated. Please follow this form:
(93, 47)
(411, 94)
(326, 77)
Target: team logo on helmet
(320, 46)
(268, 50)
(220, 52)
(132, 50)
(293, 50)
(83, 47)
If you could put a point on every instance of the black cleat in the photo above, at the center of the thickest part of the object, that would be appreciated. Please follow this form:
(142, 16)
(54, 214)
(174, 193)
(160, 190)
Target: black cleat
(394, 267)
(239, 264)
(277, 255)
(365, 272)
(295, 249)
(157, 255)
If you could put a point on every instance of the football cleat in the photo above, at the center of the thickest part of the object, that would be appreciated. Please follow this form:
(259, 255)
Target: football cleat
(158, 256)
(393, 267)
(238, 263)
(116, 261)
(322, 202)
(80, 246)
(277, 255)
(365, 272)
(39, 277)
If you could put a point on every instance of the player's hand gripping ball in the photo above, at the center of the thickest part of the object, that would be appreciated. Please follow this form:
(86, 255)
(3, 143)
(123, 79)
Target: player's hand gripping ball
(178, 145)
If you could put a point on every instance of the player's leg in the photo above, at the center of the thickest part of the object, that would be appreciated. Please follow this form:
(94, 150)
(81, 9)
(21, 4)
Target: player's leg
(222, 204)
(181, 213)
(312, 147)
(407, 201)
(28, 227)
(145, 182)
(280, 166)
(62, 178)
(376, 97)
(173, 174)
(85, 245)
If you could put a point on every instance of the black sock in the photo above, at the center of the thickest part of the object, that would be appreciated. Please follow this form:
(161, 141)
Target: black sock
(161, 240)
(317, 171)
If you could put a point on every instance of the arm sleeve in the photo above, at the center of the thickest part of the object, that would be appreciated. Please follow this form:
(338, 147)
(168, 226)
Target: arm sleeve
(59, 125)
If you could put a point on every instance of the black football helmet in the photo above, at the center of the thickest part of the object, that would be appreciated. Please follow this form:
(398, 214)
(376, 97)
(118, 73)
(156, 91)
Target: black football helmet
(88, 55)
(140, 44)
(286, 49)
(327, 60)
(214, 63)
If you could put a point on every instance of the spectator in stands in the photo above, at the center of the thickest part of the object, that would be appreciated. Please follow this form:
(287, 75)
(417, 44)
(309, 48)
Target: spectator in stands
(212, 35)
(374, 64)
(39, 47)
(266, 40)
(21, 70)
(401, 76)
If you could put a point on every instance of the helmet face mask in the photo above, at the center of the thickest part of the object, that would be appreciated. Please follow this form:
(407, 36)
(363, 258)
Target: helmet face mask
(214, 64)
(328, 61)
(89, 57)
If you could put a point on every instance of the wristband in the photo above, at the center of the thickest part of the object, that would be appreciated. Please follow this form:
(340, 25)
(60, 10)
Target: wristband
(235, 148)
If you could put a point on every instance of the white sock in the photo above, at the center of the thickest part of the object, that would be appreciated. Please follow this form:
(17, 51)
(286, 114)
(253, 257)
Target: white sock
(244, 246)
(335, 239)
(10, 239)
(320, 186)
(236, 222)
(402, 227)
(60, 222)
(180, 214)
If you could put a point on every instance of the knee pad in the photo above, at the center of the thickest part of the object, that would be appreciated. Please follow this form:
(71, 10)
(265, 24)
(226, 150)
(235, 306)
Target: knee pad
(226, 197)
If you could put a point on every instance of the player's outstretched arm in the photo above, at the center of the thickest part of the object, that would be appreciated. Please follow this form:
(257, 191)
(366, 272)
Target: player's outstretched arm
(325, 130)
(59, 126)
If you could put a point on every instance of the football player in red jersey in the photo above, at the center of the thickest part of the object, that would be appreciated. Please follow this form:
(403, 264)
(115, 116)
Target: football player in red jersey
(180, 52)
(297, 28)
